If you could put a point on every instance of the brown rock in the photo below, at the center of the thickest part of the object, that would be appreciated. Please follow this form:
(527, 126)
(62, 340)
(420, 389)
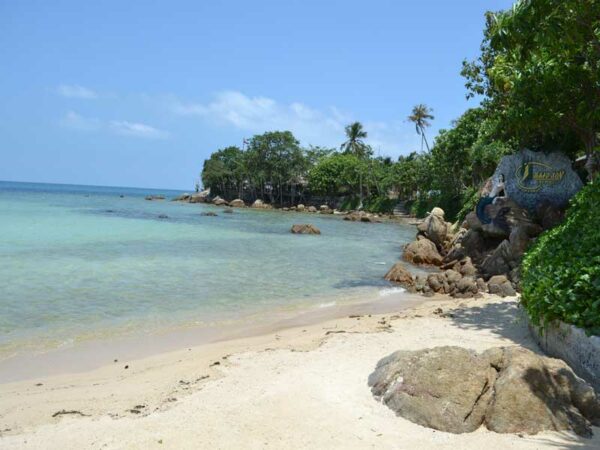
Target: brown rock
(399, 274)
(237, 203)
(422, 251)
(305, 228)
(312, 209)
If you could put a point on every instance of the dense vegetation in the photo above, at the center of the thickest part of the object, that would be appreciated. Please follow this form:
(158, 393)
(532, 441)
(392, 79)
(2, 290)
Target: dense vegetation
(538, 79)
(561, 273)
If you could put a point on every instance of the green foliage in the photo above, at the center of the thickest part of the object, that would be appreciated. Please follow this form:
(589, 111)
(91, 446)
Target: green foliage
(336, 175)
(379, 204)
(539, 71)
(469, 200)
(561, 272)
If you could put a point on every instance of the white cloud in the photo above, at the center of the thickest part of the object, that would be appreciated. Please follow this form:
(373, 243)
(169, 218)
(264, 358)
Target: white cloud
(76, 121)
(137, 129)
(310, 125)
(76, 91)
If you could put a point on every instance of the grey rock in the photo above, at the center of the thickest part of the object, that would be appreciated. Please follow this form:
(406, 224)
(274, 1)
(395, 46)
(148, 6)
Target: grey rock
(506, 389)
(533, 178)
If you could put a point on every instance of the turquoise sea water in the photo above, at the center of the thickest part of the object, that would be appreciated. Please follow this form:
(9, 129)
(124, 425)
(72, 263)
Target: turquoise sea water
(78, 262)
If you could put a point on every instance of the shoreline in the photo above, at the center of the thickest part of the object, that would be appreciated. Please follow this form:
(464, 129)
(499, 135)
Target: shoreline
(95, 352)
(298, 386)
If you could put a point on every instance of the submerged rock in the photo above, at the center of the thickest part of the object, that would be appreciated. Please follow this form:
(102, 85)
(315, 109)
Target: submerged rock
(507, 389)
(155, 197)
(209, 214)
(305, 228)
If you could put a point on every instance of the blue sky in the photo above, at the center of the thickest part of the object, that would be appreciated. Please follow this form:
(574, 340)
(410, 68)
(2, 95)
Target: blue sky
(140, 93)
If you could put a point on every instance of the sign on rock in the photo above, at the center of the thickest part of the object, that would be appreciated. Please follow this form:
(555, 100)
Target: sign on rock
(534, 178)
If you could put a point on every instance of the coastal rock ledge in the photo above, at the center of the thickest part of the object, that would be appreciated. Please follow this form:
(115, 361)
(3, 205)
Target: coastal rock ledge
(507, 389)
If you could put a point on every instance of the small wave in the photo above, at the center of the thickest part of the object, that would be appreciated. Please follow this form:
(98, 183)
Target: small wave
(391, 291)
(380, 263)
(327, 305)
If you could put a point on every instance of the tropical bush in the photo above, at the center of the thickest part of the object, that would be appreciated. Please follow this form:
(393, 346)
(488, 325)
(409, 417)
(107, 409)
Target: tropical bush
(561, 272)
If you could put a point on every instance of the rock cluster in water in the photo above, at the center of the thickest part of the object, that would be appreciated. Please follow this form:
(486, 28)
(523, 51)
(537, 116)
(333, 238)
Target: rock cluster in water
(505, 389)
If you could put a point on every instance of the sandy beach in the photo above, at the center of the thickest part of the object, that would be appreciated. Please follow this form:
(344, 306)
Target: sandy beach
(299, 387)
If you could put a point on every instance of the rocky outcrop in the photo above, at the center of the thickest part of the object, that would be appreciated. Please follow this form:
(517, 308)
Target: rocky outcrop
(506, 389)
(200, 197)
(399, 274)
(422, 252)
(237, 203)
(305, 228)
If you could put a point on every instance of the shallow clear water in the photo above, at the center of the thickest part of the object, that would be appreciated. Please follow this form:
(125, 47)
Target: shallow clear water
(79, 262)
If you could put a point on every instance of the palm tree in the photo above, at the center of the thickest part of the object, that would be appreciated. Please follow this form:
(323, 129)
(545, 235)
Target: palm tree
(421, 115)
(355, 144)
(357, 147)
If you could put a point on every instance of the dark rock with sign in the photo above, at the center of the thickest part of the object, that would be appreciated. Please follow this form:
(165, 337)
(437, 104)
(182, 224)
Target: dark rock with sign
(526, 195)
(535, 178)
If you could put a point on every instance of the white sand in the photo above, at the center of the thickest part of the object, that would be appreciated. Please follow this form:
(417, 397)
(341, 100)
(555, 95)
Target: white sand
(299, 388)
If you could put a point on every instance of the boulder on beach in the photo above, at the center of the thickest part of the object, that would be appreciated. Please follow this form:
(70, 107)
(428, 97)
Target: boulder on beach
(300, 207)
(506, 389)
(422, 252)
(399, 274)
(305, 228)
(325, 209)
(312, 209)
(237, 203)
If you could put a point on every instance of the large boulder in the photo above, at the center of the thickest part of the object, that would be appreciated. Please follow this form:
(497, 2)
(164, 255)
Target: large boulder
(507, 389)
(300, 207)
(423, 252)
(305, 228)
(312, 209)
(399, 274)
(237, 203)
(435, 228)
